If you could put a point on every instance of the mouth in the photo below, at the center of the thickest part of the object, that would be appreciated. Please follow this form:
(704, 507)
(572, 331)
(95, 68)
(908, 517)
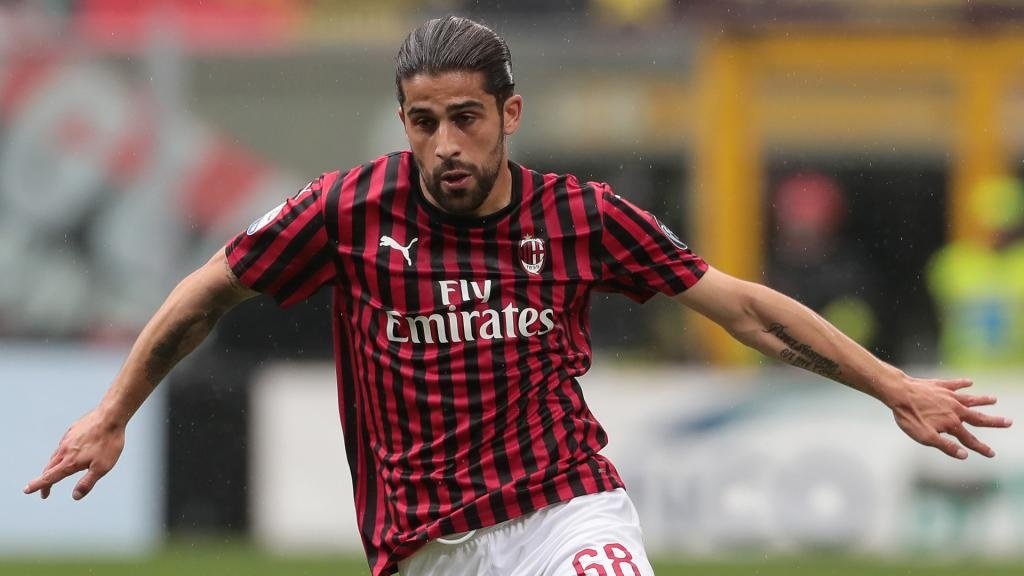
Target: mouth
(455, 178)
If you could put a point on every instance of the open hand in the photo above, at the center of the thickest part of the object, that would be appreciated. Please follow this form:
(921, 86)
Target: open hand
(93, 444)
(934, 412)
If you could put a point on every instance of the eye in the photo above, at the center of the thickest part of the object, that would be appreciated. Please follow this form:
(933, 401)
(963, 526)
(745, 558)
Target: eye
(424, 123)
(464, 119)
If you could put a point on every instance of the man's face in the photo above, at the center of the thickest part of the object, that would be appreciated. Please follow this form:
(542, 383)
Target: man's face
(457, 134)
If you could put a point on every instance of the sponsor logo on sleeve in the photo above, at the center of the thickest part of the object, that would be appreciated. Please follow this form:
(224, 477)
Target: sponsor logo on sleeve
(261, 222)
(671, 235)
(305, 189)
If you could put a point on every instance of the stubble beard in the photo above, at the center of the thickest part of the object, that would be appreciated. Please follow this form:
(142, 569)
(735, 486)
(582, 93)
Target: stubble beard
(466, 202)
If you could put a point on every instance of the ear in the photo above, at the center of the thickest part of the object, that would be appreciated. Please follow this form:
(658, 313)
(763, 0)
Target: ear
(513, 111)
(401, 114)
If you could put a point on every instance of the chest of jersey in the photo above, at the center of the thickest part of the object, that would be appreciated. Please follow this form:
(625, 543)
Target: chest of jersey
(448, 284)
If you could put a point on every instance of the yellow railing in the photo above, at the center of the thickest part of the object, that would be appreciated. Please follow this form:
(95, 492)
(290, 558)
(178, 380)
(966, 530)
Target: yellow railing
(959, 85)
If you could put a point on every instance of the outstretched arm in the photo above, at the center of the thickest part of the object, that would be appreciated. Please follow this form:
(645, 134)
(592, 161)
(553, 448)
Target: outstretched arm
(780, 327)
(95, 441)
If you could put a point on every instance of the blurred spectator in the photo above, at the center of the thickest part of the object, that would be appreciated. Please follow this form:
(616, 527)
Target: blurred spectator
(631, 13)
(524, 7)
(811, 262)
(978, 283)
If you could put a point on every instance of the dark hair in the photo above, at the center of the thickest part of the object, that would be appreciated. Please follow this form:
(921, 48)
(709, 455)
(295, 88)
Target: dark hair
(452, 44)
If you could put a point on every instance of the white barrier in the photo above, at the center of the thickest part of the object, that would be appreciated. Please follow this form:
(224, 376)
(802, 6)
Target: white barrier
(45, 389)
(716, 461)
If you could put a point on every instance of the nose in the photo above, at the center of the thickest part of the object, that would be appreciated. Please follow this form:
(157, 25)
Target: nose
(447, 144)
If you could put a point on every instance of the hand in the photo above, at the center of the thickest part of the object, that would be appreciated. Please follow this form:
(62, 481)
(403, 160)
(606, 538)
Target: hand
(927, 409)
(92, 443)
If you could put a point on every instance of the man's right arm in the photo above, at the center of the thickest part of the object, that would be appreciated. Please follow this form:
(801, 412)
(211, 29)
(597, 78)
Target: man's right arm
(182, 322)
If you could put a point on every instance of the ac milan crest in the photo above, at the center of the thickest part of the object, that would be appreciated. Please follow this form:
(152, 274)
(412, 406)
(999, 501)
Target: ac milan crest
(532, 254)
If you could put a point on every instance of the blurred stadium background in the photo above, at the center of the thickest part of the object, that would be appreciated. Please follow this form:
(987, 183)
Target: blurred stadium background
(864, 156)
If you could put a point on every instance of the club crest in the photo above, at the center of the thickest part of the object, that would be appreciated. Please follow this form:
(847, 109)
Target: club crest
(532, 254)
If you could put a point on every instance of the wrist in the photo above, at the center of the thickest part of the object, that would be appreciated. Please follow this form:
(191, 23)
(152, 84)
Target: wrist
(113, 414)
(891, 386)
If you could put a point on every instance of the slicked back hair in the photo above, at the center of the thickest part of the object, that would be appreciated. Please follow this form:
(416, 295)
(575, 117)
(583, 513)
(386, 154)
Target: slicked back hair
(453, 44)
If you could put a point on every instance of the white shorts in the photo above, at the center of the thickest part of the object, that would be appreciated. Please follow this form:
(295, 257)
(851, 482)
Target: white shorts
(592, 535)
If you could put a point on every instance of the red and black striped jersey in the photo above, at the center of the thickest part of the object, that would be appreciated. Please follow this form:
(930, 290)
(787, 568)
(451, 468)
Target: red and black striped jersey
(459, 341)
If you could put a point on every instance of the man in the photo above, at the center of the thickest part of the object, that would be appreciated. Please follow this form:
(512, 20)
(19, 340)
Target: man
(461, 283)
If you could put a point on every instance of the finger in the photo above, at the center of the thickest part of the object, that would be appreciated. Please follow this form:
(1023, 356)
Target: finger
(86, 484)
(947, 445)
(55, 474)
(971, 441)
(44, 493)
(971, 401)
(975, 418)
(956, 384)
(54, 458)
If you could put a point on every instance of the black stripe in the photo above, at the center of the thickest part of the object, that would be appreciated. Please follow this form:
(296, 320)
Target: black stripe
(638, 253)
(551, 381)
(371, 524)
(568, 232)
(298, 243)
(332, 202)
(443, 370)
(288, 289)
(347, 400)
(234, 243)
(654, 232)
(474, 396)
(570, 245)
(595, 471)
(594, 225)
(266, 237)
(332, 226)
(412, 279)
(499, 370)
(668, 249)
(524, 387)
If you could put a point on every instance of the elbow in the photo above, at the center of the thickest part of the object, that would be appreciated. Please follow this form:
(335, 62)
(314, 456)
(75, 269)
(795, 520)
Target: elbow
(748, 322)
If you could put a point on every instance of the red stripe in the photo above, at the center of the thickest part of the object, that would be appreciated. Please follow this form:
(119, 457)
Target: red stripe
(317, 244)
(271, 254)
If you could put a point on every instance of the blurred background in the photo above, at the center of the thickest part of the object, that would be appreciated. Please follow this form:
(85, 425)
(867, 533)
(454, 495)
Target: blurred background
(862, 156)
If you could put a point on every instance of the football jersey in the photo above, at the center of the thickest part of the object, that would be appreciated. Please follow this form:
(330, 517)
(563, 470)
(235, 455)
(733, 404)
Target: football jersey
(459, 340)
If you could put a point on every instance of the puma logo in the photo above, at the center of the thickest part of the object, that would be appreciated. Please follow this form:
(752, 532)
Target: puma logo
(392, 243)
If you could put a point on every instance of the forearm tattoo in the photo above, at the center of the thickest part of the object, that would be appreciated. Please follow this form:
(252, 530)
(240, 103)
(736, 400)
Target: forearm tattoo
(803, 355)
(179, 340)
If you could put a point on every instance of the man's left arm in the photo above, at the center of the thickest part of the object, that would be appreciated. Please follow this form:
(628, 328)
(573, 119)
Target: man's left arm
(781, 327)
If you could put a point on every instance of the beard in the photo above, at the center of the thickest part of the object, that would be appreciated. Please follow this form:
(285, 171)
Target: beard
(465, 201)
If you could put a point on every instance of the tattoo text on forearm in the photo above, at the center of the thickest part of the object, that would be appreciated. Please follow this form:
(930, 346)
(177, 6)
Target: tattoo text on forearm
(803, 355)
(179, 340)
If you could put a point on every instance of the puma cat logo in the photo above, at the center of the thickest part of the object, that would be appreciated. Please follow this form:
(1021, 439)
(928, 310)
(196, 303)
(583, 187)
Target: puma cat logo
(392, 243)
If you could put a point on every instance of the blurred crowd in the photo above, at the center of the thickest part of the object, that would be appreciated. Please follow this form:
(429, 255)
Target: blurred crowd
(95, 163)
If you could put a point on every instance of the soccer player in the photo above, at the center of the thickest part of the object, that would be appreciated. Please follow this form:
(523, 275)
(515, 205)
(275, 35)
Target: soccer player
(461, 283)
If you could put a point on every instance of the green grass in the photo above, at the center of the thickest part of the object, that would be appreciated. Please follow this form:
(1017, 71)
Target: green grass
(244, 560)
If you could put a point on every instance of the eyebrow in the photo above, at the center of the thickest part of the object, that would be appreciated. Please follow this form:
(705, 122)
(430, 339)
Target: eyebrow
(451, 108)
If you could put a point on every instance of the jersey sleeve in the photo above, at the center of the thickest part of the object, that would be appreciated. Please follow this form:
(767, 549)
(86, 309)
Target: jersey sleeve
(640, 255)
(286, 253)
